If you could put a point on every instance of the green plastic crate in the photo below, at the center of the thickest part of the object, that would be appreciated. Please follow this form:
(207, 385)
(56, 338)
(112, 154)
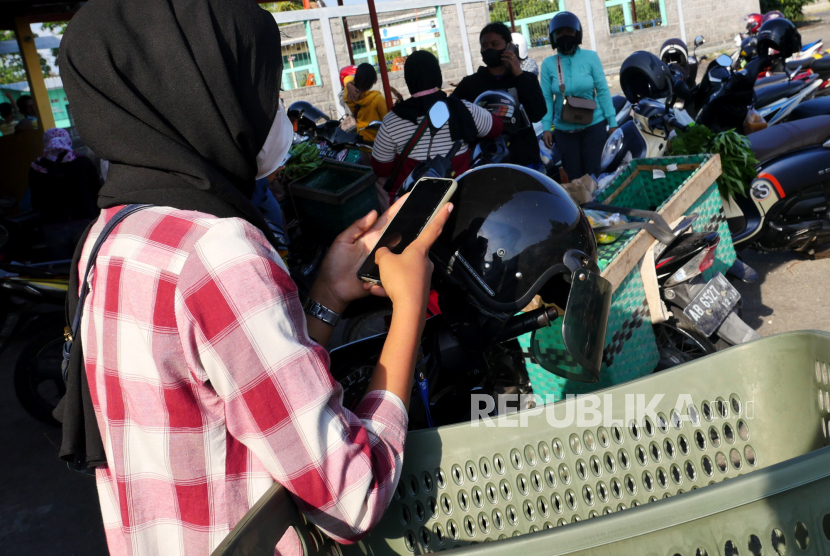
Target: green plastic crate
(333, 196)
(630, 346)
(758, 414)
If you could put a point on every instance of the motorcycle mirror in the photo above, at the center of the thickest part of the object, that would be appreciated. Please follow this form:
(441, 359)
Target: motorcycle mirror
(724, 61)
(439, 115)
(699, 40)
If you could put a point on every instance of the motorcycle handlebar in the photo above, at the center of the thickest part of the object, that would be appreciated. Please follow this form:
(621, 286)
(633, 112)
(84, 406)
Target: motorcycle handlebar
(527, 322)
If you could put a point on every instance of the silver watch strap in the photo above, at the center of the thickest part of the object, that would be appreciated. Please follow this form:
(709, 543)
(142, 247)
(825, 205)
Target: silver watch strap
(321, 312)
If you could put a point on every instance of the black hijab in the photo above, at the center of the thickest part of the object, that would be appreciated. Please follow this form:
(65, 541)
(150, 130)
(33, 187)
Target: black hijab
(179, 97)
(422, 72)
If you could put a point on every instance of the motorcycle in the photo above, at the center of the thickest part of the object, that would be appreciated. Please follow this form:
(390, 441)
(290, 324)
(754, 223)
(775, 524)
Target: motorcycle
(787, 206)
(703, 315)
(31, 303)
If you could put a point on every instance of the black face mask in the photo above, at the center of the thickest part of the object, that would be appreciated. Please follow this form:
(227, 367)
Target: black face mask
(565, 44)
(492, 57)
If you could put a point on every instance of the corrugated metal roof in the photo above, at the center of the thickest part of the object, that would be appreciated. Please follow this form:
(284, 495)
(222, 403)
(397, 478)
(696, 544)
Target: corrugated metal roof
(10, 47)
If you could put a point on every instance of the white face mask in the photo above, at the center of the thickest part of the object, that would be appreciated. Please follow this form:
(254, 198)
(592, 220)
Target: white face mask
(277, 144)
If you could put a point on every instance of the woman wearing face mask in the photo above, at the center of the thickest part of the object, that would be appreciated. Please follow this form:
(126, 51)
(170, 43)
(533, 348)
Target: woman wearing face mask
(502, 71)
(580, 138)
(203, 378)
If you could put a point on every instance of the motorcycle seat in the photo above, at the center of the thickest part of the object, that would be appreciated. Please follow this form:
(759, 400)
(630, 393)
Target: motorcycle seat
(618, 101)
(821, 66)
(814, 107)
(790, 136)
(777, 91)
(772, 79)
(803, 63)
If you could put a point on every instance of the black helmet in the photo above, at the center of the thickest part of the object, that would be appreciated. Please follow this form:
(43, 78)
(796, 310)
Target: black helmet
(749, 48)
(502, 105)
(781, 35)
(674, 51)
(514, 234)
(564, 20)
(303, 109)
(644, 75)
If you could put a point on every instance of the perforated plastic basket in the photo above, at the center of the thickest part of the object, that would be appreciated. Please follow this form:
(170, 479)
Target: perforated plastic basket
(757, 414)
(630, 347)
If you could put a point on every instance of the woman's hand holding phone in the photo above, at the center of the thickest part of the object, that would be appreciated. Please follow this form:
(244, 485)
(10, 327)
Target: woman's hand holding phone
(406, 277)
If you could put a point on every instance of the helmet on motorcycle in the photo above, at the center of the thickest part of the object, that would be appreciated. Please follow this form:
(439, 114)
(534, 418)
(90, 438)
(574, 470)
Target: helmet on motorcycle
(674, 51)
(774, 14)
(305, 109)
(521, 44)
(781, 35)
(514, 234)
(502, 105)
(644, 75)
(749, 48)
(753, 22)
(564, 20)
(345, 72)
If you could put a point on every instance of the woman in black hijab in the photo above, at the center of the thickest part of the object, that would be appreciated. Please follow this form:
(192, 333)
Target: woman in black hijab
(396, 151)
(201, 381)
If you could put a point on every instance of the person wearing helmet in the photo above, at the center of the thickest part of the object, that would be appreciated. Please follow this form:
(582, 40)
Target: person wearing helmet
(778, 34)
(398, 130)
(753, 22)
(581, 144)
(515, 234)
(528, 64)
(502, 71)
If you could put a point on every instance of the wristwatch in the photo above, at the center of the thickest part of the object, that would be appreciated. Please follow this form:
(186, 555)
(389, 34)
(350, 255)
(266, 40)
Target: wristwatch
(320, 312)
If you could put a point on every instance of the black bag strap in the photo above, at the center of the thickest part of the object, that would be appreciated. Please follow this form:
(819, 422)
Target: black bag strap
(659, 229)
(561, 75)
(407, 149)
(72, 331)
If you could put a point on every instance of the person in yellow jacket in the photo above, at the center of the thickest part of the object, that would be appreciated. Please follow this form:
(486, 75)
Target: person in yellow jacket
(367, 106)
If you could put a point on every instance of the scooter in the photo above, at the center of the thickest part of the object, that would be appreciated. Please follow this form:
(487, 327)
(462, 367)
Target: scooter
(787, 205)
(703, 314)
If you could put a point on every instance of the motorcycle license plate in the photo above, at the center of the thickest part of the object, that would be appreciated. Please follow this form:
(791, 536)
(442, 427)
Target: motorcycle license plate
(712, 305)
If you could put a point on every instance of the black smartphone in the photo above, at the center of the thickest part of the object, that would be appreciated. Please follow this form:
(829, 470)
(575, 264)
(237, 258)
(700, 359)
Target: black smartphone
(418, 210)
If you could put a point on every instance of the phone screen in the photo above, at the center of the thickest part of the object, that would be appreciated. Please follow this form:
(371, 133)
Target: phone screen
(425, 199)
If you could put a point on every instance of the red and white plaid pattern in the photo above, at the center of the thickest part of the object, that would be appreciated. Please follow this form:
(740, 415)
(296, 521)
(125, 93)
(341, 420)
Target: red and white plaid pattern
(207, 389)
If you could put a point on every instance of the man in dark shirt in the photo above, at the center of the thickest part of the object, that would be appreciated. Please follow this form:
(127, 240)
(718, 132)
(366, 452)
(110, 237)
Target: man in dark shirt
(503, 71)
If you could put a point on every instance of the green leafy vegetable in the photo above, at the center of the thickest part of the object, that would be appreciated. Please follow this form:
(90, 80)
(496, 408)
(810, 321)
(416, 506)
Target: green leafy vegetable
(305, 157)
(738, 162)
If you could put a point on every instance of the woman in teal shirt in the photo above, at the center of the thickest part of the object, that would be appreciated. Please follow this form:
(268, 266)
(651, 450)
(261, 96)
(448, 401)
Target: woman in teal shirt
(580, 144)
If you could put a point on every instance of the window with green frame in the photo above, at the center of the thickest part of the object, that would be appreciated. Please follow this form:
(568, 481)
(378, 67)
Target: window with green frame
(421, 31)
(299, 58)
(630, 15)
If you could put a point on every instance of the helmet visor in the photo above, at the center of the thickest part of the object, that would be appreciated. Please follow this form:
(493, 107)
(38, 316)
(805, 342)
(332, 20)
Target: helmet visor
(583, 330)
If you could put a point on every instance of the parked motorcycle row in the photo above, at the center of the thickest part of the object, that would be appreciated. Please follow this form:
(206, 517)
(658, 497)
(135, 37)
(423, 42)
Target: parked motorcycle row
(462, 351)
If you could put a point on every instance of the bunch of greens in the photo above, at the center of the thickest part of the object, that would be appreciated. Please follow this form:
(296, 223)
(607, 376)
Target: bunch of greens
(737, 160)
(305, 157)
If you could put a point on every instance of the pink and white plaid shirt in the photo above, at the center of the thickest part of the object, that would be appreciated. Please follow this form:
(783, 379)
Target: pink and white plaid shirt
(207, 389)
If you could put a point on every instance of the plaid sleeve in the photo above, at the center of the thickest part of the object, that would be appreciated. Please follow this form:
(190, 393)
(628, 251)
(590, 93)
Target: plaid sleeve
(244, 332)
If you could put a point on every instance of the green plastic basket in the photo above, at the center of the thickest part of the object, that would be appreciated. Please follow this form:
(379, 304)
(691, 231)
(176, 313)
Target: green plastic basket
(757, 414)
(630, 347)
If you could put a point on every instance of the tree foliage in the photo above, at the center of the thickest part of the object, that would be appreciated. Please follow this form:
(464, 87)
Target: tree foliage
(522, 9)
(792, 9)
(12, 69)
